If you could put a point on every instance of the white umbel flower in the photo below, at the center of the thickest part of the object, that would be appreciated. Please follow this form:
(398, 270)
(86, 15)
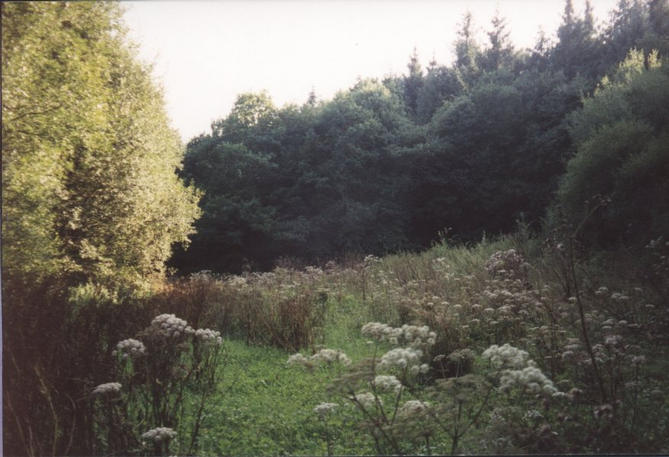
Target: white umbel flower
(109, 387)
(412, 335)
(209, 337)
(327, 356)
(330, 356)
(159, 434)
(297, 359)
(387, 383)
(366, 399)
(530, 378)
(324, 409)
(130, 348)
(506, 356)
(170, 326)
(401, 358)
(413, 408)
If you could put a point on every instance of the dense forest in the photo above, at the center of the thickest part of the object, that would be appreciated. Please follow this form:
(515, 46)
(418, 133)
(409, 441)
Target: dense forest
(467, 148)
(488, 242)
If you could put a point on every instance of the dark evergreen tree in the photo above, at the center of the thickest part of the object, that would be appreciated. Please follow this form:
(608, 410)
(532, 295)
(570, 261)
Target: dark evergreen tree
(413, 83)
(467, 51)
(578, 51)
(500, 52)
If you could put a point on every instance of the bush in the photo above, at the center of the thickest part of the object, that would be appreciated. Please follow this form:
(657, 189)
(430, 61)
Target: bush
(621, 136)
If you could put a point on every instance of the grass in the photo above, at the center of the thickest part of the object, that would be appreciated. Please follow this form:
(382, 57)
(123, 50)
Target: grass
(265, 407)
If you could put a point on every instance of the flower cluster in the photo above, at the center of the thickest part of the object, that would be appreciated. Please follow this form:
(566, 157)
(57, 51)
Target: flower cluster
(330, 356)
(159, 434)
(366, 399)
(506, 356)
(298, 359)
(506, 264)
(519, 370)
(209, 337)
(327, 356)
(109, 387)
(170, 326)
(412, 335)
(387, 383)
(324, 409)
(404, 358)
(413, 408)
(530, 378)
(129, 348)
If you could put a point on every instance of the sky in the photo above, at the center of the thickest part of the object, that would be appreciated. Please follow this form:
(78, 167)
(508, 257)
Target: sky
(207, 53)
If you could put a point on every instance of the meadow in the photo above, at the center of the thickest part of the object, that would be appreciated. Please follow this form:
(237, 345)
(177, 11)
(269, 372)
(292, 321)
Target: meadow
(467, 258)
(506, 346)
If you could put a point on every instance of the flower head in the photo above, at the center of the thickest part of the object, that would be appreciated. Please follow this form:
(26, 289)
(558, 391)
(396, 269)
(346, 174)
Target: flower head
(387, 383)
(324, 409)
(130, 348)
(413, 408)
(209, 337)
(366, 399)
(506, 356)
(109, 387)
(401, 358)
(169, 326)
(159, 434)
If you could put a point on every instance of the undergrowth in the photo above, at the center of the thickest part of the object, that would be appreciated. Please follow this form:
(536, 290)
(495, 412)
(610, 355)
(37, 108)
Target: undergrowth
(588, 335)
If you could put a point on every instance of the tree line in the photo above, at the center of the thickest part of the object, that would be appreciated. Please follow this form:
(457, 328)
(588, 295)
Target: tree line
(468, 148)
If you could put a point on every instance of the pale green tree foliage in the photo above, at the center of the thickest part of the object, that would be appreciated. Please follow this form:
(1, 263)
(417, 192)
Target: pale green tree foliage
(89, 159)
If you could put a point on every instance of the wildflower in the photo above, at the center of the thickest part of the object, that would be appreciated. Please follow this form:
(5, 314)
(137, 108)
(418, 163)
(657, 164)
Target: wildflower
(330, 356)
(387, 383)
(297, 359)
(159, 434)
(412, 408)
(613, 340)
(366, 399)
(324, 409)
(602, 291)
(411, 334)
(617, 296)
(400, 358)
(506, 356)
(169, 326)
(108, 387)
(209, 337)
(530, 378)
(129, 348)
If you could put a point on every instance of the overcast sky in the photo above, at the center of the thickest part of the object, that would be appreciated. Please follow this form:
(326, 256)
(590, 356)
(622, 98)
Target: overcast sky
(206, 53)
